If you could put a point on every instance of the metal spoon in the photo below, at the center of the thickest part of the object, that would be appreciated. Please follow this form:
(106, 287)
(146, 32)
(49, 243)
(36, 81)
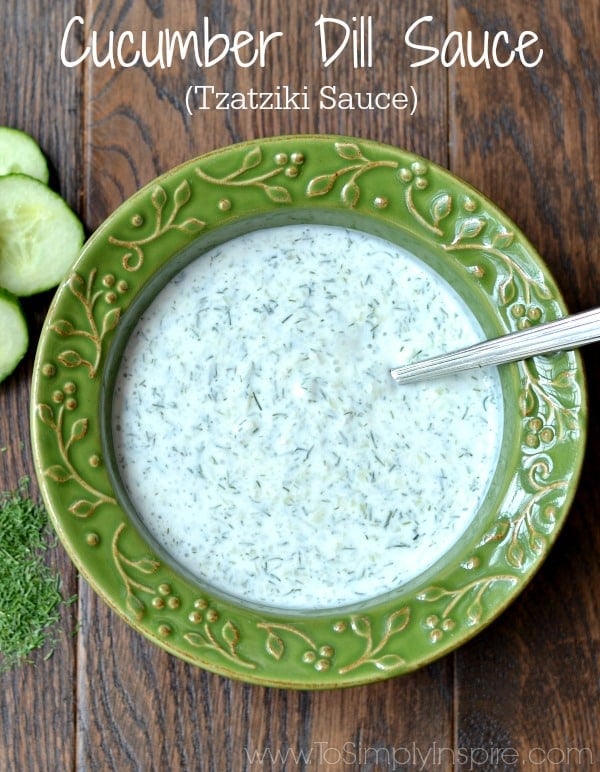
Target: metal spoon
(566, 333)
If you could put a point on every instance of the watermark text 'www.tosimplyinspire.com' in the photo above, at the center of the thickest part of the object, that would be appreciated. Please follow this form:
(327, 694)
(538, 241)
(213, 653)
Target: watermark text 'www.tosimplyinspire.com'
(414, 757)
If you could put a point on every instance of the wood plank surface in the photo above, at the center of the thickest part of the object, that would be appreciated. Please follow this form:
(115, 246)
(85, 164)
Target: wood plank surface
(38, 703)
(528, 138)
(254, 719)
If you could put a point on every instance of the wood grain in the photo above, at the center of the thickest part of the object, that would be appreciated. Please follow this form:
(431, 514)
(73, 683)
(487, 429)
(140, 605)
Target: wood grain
(126, 148)
(127, 144)
(130, 693)
(110, 700)
(529, 140)
(37, 703)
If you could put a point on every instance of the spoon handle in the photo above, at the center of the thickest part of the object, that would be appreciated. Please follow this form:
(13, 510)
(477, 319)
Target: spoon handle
(566, 333)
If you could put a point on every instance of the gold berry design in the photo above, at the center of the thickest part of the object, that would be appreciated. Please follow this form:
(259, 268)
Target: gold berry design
(525, 316)
(95, 461)
(319, 658)
(201, 612)
(538, 433)
(66, 396)
(381, 202)
(415, 174)
(209, 632)
(92, 539)
(256, 171)
(437, 627)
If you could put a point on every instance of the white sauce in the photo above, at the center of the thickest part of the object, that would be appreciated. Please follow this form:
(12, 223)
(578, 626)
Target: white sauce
(262, 440)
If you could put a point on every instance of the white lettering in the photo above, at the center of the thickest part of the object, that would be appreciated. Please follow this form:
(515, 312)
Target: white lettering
(330, 98)
(136, 55)
(320, 23)
(463, 49)
(209, 42)
(527, 39)
(127, 49)
(435, 52)
(502, 36)
(63, 48)
(176, 38)
(359, 38)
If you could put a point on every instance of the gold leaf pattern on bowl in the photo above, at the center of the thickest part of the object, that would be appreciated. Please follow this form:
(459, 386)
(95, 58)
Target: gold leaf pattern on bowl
(209, 200)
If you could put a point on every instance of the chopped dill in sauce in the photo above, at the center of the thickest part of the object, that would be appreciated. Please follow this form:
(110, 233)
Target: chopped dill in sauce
(264, 444)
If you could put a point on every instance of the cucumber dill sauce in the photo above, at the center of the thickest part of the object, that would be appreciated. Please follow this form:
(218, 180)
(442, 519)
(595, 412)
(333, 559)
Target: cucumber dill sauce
(264, 444)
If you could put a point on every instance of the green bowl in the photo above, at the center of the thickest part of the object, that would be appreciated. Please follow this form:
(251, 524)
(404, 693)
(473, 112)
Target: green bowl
(261, 184)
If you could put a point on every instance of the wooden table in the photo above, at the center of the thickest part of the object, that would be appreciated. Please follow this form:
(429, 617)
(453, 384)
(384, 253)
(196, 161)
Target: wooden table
(525, 694)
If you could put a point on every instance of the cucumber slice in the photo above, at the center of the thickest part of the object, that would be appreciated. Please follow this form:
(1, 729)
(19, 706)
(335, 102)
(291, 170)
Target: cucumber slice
(39, 235)
(14, 338)
(21, 154)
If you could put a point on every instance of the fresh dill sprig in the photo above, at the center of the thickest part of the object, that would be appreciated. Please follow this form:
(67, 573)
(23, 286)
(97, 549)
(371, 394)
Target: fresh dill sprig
(30, 596)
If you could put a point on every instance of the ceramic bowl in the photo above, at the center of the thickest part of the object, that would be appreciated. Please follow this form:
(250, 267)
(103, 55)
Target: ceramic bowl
(328, 180)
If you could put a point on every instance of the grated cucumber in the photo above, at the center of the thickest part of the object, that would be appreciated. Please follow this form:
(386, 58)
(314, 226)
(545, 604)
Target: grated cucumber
(40, 236)
(14, 337)
(20, 154)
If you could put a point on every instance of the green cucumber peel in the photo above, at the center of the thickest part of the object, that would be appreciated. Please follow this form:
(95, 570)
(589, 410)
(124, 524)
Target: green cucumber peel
(40, 236)
(21, 154)
(14, 336)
